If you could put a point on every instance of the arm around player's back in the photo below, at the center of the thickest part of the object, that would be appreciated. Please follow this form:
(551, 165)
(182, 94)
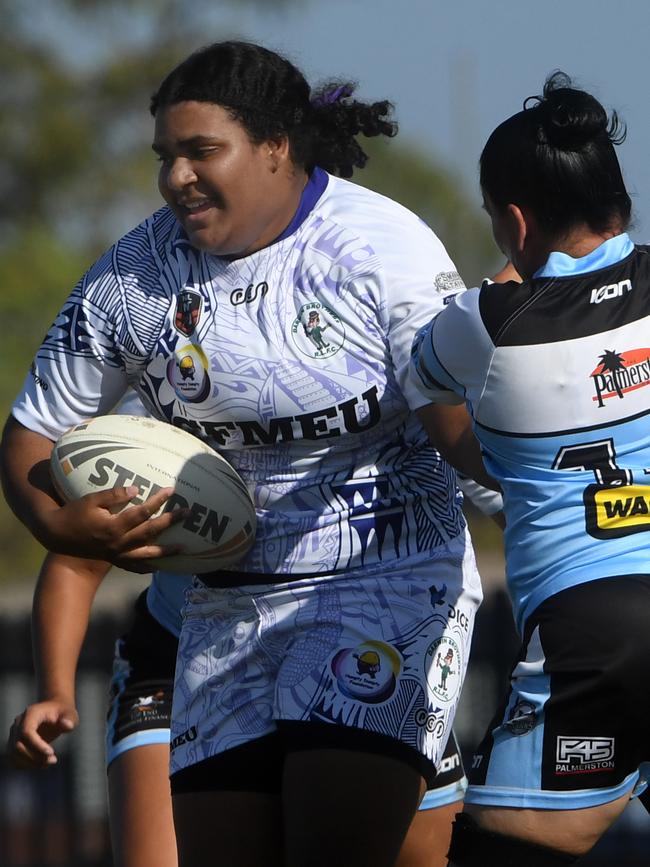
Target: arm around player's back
(450, 430)
(437, 373)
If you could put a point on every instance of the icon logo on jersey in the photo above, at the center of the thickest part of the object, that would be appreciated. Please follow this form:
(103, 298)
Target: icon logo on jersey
(317, 331)
(522, 717)
(449, 763)
(187, 373)
(249, 294)
(449, 281)
(619, 373)
(367, 672)
(614, 290)
(188, 311)
(583, 755)
(443, 668)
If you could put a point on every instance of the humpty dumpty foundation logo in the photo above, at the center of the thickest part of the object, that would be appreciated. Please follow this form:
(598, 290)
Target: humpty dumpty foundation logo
(187, 372)
(367, 672)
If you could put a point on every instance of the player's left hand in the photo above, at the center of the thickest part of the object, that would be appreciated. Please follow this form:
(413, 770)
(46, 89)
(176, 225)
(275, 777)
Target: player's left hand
(32, 732)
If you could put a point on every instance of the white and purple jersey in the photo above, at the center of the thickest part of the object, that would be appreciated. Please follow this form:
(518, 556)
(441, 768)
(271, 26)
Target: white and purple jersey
(292, 362)
(166, 593)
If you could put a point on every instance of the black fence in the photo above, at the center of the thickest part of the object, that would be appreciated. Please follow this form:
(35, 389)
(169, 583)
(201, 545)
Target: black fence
(58, 816)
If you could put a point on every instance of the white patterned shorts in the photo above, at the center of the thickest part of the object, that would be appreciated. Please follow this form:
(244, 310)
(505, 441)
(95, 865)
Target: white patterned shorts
(384, 653)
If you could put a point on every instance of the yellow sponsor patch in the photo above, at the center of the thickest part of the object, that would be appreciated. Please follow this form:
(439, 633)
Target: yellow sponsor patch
(627, 507)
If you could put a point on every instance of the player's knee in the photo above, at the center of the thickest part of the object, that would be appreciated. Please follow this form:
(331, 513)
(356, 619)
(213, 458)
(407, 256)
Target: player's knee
(473, 846)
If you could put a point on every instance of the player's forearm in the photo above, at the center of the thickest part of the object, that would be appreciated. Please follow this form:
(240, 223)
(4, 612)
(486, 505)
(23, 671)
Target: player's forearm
(26, 482)
(62, 601)
(450, 431)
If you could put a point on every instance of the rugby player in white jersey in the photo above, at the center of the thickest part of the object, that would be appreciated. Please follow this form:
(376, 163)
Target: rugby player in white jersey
(309, 712)
(138, 721)
(139, 714)
(558, 383)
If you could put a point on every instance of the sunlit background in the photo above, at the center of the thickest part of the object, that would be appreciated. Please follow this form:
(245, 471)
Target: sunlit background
(76, 171)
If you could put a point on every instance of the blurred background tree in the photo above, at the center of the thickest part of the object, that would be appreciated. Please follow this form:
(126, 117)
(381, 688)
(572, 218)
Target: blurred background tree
(77, 170)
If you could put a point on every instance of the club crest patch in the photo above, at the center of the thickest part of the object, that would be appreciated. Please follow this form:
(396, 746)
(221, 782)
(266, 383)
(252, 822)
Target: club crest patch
(522, 718)
(444, 668)
(317, 331)
(188, 312)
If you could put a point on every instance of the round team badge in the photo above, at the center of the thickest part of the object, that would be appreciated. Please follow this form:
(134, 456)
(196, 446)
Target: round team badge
(317, 331)
(187, 373)
(367, 672)
(522, 717)
(443, 664)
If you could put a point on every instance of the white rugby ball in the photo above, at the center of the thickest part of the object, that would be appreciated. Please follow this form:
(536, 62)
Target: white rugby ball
(114, 451)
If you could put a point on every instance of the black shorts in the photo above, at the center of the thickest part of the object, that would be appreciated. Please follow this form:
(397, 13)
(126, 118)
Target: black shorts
(256, 766)
(572, 732)
(140, 701)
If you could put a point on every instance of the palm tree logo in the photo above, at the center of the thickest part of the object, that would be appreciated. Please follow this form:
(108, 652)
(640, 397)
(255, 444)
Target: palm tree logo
(613, 362)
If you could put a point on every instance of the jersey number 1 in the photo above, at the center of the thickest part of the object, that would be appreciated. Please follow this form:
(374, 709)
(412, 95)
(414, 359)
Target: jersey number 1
(614, 505)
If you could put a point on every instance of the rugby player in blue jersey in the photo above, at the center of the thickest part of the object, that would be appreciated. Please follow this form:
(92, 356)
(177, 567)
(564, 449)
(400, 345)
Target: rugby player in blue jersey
(558, 384)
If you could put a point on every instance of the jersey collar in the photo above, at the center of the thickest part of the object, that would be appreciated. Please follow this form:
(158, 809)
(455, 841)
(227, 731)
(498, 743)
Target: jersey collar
(314, 189)
(608, 253)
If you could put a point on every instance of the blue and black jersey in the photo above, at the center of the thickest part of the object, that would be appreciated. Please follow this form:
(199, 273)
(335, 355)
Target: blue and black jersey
(556, 374)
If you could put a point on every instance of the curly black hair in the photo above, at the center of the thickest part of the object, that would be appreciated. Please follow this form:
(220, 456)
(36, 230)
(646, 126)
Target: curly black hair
(270, 97)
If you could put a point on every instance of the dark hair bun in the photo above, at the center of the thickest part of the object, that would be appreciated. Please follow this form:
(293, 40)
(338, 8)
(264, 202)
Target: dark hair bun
(557, 158)
(569, 119)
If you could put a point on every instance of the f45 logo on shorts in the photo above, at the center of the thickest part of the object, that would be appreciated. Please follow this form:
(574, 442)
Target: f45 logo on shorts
(583, 755)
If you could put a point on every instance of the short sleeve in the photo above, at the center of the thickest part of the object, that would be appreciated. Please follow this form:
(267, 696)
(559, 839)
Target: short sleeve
(487, 501)
(420, 280)
(103, 334)
(78, 371)
(451, 354)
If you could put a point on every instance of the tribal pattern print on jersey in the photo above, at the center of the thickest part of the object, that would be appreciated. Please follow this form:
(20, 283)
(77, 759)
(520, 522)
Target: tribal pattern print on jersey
(386, 653)
(293, 362)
